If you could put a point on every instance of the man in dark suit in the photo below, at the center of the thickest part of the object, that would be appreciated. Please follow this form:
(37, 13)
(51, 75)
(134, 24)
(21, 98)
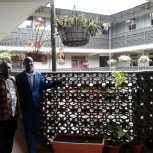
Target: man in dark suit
(29, 83)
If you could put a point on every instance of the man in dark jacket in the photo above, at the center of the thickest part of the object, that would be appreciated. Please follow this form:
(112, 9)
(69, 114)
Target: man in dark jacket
(29, 84)
(9, 108)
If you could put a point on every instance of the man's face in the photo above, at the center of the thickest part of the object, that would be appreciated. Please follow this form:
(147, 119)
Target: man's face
(28, 63)
(6, 70)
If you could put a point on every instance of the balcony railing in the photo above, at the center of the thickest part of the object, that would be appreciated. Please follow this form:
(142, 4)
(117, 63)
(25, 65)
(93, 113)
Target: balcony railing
(97, 69)
(133, 38)
(20, 37)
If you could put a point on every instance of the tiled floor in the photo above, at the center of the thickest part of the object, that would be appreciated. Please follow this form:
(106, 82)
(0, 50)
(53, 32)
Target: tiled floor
(19, 145)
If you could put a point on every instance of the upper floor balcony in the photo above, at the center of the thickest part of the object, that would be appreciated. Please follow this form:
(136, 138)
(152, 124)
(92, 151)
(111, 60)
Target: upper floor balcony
(20, 36)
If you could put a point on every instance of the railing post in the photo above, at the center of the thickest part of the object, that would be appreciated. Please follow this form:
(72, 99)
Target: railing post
(110, 42)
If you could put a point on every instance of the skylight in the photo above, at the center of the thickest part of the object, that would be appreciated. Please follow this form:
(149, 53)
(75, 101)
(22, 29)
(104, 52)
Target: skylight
(105, 7)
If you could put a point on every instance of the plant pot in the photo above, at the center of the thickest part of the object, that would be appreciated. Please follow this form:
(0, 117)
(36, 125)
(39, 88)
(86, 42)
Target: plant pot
(74, 36)
(136, 148)
(113, 149)
(16, 58)
(61, 61)
(77, 144)
(37, 57)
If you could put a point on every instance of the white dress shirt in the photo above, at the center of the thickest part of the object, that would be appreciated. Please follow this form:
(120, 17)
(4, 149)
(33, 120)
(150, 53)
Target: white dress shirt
(30, 77)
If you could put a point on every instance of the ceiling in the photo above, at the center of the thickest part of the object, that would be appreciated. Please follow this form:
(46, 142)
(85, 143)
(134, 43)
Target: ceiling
(14, 12)
(99, 6)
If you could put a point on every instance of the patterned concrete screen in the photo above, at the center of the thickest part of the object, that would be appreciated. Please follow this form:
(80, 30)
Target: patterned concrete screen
(87, 101)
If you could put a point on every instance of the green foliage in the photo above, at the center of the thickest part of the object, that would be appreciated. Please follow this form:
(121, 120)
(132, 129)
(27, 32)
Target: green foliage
(119, 78)
(117, 133)
(79, 21)
(5, 56)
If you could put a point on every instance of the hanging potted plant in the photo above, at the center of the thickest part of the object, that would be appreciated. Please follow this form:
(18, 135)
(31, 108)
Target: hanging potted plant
(85, 63)
(144, 59)
(38, 40)
(17, 57)
(76, 30)
(61, 61)
(124, 58)
(106, 26)
(111, 62)
(61, 56)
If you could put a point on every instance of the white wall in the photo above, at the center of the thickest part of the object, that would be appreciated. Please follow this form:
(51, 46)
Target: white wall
(42, 65)
(93, 62)
(141, 21)
(67, 62)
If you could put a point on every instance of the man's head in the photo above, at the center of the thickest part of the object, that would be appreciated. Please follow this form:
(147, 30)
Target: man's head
(5, 69)
(28, 63)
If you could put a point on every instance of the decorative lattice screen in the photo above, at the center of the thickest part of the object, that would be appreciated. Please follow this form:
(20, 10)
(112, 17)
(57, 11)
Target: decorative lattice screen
(87, 101)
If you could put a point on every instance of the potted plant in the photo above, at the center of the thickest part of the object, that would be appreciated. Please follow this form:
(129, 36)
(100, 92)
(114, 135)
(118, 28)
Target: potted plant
(116, 137)
(136, 145)
(61, 56)
(5, 56)
(17, 57)
(76, 143)
(61, 61)
(76, 30)
(106, 26)
(85, 63)
(111, 62)
(144, 59)
(37, 40)
(124, 58)
(119, 78)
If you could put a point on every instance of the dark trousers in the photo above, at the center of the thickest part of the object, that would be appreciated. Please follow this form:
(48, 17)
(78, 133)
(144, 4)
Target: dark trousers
(7, 131)
(31, 127)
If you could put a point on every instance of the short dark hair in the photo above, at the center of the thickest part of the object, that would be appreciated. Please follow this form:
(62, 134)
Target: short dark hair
(2, 66)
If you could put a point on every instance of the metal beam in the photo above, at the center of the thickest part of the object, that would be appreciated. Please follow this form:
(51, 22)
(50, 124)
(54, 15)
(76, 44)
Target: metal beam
(53, 43)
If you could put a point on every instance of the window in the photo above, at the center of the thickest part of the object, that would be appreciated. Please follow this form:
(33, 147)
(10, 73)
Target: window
(131, 23)
(133, 26)
(103, 61)
(17, 65)
(151, 62)
(104, 31)
(27, 23)
(151, 22)
(77, 61)
(134, 62)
